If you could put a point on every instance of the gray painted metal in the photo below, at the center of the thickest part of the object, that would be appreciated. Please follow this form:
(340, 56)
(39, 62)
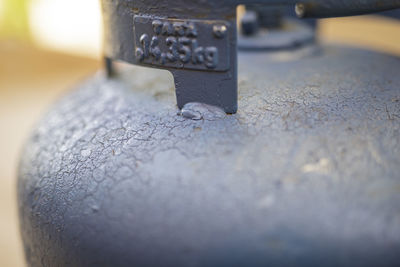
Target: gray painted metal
(305, 174)
(335, 8)
(292, 35)
(249, 23)
(217, 85)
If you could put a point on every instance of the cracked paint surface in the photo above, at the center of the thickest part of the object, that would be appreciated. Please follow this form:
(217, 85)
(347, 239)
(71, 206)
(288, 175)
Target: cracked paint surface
(307, 172)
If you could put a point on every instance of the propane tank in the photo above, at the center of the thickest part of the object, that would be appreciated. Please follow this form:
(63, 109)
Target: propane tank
(285, 153)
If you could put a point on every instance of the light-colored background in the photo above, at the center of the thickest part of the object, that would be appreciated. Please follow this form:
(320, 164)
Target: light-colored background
(36, 71)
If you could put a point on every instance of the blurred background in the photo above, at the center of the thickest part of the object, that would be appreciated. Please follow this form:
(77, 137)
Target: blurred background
(49, 46)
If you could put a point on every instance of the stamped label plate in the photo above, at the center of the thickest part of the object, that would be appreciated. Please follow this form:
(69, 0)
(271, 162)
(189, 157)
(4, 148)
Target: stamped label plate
(184, 44)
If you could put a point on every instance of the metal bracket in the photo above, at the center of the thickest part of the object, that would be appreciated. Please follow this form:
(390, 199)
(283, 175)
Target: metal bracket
(194, 40)
(197, 40)
(197, 52)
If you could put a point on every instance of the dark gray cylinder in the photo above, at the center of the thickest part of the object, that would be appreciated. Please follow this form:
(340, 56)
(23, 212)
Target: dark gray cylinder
(305, 174)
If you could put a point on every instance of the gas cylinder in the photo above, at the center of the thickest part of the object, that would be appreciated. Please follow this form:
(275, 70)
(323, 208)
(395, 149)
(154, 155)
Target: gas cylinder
(300, 168)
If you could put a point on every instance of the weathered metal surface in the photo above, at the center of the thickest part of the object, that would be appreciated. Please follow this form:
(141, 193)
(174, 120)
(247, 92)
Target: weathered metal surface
(335, 8)
(305, 174)
(209, 75)
(127, 39)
